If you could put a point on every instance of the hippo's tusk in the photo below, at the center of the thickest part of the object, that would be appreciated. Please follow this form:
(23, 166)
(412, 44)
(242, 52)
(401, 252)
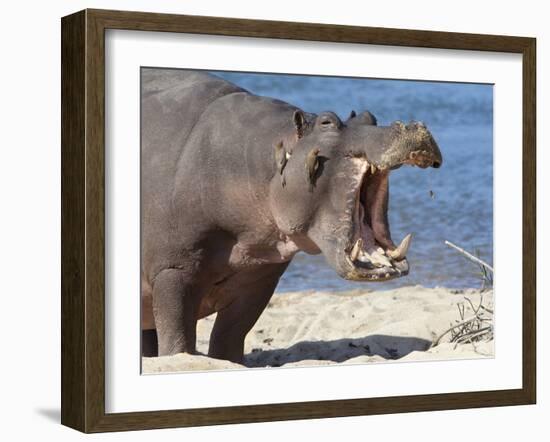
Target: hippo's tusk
(356, 249)
(401, 251)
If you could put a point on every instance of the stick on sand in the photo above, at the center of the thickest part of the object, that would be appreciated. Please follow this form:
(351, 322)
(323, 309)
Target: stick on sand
(469, 256)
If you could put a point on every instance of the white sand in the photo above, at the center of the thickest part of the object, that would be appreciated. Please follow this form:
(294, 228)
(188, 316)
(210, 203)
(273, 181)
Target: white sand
(320, 328)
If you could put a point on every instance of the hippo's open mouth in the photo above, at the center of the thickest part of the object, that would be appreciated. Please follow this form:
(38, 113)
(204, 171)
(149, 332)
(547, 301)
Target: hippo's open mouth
(371, 254)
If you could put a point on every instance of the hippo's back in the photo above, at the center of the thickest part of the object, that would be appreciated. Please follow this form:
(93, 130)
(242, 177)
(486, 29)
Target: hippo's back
(172, 101)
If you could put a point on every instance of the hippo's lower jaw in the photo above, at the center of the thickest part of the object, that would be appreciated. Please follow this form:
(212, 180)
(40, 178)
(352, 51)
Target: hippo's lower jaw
(358, 272)
(371, 254)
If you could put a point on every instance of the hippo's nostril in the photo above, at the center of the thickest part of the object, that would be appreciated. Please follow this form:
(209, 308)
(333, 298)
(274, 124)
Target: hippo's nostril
(436, 164)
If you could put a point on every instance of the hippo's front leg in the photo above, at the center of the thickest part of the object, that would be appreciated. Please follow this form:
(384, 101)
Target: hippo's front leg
(175, 312)
(250, 297)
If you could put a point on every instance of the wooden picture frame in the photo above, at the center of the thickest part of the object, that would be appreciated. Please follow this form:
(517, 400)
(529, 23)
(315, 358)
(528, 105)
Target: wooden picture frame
(83, 220)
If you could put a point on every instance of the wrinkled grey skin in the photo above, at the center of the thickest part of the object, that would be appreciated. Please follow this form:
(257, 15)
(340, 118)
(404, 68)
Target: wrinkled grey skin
(220, 224)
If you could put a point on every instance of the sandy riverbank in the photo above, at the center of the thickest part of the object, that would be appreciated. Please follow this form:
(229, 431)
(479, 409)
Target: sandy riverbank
(320, 328)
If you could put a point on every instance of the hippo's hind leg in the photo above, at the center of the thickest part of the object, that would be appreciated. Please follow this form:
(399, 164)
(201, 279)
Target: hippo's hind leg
(234, 321)
(174, 310)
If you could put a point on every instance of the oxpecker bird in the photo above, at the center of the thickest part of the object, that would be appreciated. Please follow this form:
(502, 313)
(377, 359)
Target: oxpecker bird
(312, 165)
(281, 158)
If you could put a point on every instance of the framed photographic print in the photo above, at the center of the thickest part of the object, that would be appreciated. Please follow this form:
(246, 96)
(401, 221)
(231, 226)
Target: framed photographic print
(231, 250)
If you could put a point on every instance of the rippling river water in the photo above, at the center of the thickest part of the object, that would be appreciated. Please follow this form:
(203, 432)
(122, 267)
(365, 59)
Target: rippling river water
(460, 116)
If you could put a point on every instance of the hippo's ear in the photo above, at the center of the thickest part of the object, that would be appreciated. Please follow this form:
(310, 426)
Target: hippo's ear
(369, 118)
(300, 123)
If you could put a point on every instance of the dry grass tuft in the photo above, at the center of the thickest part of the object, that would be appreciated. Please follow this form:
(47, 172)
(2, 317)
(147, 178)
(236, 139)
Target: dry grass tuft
(476, 328)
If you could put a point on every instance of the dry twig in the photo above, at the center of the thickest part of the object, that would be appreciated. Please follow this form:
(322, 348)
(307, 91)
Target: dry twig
(470, 256)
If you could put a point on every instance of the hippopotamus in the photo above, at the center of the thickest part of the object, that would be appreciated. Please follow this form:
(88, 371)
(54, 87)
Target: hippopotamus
(233, 185)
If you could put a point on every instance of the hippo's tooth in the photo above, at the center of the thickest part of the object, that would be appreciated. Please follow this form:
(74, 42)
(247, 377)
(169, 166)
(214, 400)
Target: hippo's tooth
(364, 257)
(375, 258)
(356, 249)
(378, 258)
(401, 251)
(287, 155)
(372, 169)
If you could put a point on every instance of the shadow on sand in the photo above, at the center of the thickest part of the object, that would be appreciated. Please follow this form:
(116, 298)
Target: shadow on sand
(340, 350)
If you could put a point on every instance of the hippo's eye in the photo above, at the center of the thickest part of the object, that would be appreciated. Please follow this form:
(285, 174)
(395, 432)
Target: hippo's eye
(327, 124)
(328, 121)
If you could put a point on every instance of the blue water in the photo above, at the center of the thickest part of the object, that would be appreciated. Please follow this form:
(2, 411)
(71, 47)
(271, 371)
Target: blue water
(460, 116)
